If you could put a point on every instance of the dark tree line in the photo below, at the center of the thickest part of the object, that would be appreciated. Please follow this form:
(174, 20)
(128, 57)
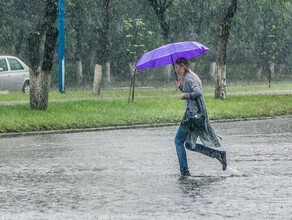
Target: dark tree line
(95, 33)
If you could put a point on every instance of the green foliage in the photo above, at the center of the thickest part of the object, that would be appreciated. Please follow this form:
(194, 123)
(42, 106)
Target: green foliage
(137, 37)
(259, 29)
(272, 51)
(266, 25)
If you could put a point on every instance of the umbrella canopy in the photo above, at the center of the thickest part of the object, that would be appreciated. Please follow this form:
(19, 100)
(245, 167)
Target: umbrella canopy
(169, 53)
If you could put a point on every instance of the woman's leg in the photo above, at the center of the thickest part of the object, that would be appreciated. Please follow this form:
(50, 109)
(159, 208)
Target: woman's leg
(210, 152)
(179, 141)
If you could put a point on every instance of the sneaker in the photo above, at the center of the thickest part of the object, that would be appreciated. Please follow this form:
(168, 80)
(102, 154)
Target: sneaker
(222, 159)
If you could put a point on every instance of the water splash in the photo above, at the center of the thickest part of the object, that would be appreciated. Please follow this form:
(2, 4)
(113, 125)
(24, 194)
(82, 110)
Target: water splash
(235, 173)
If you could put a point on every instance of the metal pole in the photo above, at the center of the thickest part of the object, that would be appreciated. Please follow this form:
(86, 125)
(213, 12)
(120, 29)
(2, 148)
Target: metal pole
(61, 43)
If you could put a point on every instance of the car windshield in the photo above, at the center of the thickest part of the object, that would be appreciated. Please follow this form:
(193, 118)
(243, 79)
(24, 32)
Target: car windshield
(3, 65)
(15, 65)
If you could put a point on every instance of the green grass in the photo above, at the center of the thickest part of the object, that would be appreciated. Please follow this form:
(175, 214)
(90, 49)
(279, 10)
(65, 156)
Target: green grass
(163, 92)
(91, 113)
(255, 88)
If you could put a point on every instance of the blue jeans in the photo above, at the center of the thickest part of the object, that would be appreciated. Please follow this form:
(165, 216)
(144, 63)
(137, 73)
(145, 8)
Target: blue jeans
(180, 144)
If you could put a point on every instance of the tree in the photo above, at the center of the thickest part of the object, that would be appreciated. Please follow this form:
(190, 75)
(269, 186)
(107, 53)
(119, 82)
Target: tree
(224, 30)
(264, 40)
(269, 36)
(83, 29)
(77, 23)
(138, 37)
(22, 8)
(137, 34)
(104, 53)
(40, 70)
(272, 52)
(198, 20)
(160, 8)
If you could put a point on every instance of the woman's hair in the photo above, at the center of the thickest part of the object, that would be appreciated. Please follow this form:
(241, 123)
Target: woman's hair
(184, 63)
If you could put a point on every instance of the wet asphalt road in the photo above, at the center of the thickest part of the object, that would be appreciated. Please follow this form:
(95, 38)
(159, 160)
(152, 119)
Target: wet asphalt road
(134, 174)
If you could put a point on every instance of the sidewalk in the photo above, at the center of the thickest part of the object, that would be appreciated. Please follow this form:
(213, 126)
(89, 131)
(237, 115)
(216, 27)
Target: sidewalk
(275, 92)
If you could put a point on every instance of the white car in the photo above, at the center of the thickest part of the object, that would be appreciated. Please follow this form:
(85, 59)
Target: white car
(14, 74)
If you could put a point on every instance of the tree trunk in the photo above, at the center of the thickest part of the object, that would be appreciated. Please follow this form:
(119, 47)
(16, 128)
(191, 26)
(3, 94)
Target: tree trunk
(259, 72)
(220, 69)
(220, 72)
(97, 79)
(79, 74)
(107, 73)
(164, 26)
(132, 87)
(39, 89)
(263, 59)
(103, 56)
(132, 68)
(88, 63)
(133, 71)
(40, 74)
(79, 41)
(40, 78)
(212, 71)
(271, 73)
(22, 8)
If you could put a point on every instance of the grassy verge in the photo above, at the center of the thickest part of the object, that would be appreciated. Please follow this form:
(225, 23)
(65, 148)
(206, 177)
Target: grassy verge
(90, 113)
(163, 92)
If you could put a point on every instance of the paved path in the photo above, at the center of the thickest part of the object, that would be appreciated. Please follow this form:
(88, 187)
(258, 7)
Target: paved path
(277, 92)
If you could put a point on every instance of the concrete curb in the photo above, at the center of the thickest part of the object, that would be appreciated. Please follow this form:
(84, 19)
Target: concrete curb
(109, 128)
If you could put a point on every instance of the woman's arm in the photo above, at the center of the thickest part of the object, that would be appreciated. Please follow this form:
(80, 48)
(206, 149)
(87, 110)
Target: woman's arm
(192, 85)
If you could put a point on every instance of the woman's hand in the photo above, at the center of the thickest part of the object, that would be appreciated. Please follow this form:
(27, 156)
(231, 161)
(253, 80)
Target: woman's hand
(182, 96)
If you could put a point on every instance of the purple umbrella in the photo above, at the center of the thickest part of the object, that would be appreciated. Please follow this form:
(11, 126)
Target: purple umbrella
(169, 53)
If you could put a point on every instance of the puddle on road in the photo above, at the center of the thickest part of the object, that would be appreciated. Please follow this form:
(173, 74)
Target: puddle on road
(130, 175)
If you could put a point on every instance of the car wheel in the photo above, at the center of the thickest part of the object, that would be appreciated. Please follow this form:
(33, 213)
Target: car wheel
(26, 87)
